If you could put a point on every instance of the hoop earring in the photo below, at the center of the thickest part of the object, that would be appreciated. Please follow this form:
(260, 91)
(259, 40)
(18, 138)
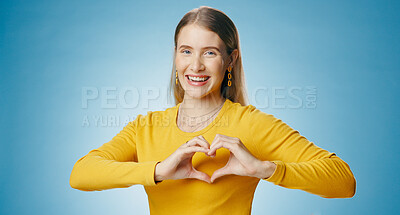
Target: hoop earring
(176, 77)
(229, 76)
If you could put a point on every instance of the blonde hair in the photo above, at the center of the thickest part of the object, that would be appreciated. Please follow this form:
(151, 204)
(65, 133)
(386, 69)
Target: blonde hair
(218, 22)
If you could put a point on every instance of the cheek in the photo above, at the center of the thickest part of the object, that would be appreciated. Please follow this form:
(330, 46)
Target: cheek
(216, 65)
(180, 63)
(177, 62)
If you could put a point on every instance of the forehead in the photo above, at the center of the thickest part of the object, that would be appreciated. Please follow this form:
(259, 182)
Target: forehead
(197, 37)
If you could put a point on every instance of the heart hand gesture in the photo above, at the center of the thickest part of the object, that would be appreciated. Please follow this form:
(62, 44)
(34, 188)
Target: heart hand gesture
(179, 164)
(241, 161)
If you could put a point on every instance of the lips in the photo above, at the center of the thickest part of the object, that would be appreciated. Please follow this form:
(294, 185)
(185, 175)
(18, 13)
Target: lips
(198, 76)
(197, 83)
(201, 76)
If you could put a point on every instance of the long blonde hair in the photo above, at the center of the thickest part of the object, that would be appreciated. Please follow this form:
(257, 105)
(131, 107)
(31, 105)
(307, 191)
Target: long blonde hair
(218, 22)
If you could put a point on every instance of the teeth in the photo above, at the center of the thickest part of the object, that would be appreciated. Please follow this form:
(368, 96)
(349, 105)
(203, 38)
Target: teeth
(197, 78)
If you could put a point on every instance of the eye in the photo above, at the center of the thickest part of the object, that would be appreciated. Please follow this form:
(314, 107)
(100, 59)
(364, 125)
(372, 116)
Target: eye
(185, 51)
(210, 53)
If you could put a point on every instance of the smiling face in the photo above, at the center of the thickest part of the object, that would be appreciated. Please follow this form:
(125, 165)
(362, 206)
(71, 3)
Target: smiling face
(201, 61)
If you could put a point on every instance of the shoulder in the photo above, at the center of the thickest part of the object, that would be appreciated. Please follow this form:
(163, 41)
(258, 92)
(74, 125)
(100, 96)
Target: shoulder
(250, 113)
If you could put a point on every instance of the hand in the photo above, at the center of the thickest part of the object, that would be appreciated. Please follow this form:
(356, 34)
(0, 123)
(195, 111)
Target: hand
(179, 164)
(241, 161)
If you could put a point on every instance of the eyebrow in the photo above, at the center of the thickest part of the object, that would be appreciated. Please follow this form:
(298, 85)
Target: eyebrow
(207, 47)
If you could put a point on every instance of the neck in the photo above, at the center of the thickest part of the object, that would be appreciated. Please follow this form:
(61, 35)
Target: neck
(201, 106)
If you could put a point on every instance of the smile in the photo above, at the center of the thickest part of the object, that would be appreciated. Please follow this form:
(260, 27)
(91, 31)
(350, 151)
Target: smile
(197, 80)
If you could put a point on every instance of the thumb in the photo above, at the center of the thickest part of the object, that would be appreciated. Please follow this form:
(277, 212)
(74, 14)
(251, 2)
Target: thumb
(219, 173)
(200, 176)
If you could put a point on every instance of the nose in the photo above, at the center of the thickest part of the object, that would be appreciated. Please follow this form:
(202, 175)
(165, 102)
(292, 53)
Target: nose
(197, 64)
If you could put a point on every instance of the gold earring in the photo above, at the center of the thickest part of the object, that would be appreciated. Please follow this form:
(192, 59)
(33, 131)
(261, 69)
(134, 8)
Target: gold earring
(229, 76)
(176, 77)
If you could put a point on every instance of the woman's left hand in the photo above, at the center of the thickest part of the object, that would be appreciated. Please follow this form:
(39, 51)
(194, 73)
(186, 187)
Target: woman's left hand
(241, 161)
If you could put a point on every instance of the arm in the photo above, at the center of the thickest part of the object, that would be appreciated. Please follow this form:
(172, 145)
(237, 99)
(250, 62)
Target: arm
(299, 163)
(113, 165)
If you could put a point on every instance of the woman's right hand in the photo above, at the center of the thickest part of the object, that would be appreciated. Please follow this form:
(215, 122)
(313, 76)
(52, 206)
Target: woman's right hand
(179, 164)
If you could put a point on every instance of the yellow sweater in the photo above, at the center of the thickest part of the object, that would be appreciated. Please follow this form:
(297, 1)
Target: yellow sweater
(130, 158)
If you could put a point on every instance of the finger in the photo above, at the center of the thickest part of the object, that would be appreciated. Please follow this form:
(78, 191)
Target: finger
(239, 152)
(236, 143)
(225, 137)
(186, 144)
(221, 136)
(198, 141)
(200, 176)
(219, 173)
(221, 144)
(194, 149)
(213, 146)
(228, 138)
(207, 145)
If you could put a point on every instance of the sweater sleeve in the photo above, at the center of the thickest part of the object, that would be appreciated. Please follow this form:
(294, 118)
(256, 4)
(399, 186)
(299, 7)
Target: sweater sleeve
(300, 164)
(113, 165)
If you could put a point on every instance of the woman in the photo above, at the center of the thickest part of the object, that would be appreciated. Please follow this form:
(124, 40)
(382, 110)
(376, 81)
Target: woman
(207, 154)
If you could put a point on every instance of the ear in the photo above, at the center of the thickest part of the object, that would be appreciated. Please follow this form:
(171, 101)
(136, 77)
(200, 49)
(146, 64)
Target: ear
(233, 57)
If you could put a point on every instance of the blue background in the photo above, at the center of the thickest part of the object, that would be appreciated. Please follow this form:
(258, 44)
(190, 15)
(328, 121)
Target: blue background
(50, 50)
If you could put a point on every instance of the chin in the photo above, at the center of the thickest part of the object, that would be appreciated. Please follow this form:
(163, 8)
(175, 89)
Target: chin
(196, 95)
